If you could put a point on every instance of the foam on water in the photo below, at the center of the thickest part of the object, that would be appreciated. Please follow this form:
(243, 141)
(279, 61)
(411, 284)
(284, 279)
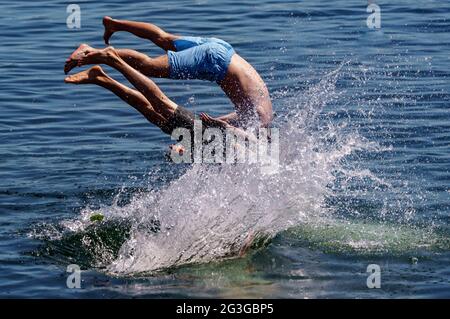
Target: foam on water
(209, 212)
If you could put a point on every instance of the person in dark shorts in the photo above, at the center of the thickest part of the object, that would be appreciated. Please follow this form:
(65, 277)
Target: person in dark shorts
(148, 99)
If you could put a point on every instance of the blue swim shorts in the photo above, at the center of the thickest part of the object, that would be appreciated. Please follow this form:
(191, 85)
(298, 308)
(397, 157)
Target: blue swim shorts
(200, 58)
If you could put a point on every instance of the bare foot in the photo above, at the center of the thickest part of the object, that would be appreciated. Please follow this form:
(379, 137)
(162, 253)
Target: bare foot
(72, 61)
(90, 76)
(108, 22)
(97, 56)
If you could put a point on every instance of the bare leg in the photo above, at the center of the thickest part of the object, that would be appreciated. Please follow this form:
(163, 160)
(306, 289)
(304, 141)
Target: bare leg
(160, 102)
(96, 75)
(143, 30)
(152, 67)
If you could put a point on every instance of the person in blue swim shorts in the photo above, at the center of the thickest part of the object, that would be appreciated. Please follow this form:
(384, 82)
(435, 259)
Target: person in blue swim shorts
(203, 58)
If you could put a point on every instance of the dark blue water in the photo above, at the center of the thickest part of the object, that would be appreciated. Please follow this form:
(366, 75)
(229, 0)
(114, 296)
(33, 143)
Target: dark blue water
(66, 149)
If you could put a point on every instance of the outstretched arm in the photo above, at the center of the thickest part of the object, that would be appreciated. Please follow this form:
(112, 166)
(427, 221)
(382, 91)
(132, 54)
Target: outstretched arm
(215, 122)
(229, 118)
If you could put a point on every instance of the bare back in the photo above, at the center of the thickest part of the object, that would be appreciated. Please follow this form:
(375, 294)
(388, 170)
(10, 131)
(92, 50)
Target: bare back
(247, 91)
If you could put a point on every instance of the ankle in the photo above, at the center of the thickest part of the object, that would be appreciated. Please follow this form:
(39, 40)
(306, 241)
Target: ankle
(116, 25)
(113, 60)
(100, 79)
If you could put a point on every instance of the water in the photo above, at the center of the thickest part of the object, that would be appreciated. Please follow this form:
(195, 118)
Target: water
(364, 175)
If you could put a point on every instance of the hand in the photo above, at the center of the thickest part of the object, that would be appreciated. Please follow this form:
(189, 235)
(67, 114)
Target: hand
(212, 122)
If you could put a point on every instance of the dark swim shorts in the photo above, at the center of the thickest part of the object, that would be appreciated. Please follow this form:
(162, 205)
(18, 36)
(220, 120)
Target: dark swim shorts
(181, 118)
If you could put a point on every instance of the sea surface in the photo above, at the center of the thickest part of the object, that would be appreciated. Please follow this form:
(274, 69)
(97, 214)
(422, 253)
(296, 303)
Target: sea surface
(364, 177)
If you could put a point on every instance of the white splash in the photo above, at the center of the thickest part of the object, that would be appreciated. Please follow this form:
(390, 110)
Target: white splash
(208, 213)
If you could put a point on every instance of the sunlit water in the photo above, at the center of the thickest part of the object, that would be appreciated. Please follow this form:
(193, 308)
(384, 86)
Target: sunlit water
(363, 177)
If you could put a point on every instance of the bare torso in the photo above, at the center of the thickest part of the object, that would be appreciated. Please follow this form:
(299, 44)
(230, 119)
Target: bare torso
(247, 91)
